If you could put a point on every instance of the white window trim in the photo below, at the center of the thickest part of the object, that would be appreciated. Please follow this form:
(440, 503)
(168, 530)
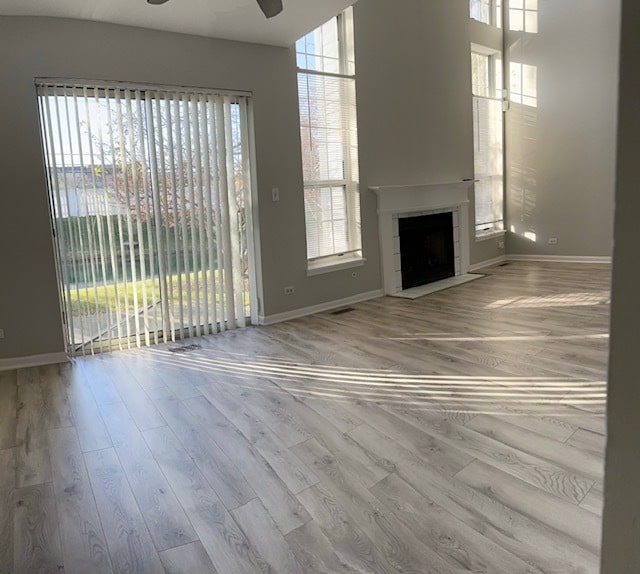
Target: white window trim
(485, 235)
(332, 263)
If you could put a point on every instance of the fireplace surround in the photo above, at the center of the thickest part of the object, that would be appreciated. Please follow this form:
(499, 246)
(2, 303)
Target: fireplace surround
(396, 202)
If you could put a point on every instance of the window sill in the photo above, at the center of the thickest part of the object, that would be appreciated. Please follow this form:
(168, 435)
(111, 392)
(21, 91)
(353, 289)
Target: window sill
(335, 263)
(483, 236)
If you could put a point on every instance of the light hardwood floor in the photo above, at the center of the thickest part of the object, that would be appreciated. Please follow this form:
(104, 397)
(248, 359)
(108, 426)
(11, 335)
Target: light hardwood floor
(460, 432)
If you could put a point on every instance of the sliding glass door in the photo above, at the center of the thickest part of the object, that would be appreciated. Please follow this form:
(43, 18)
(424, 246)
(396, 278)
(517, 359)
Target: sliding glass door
(150, 191)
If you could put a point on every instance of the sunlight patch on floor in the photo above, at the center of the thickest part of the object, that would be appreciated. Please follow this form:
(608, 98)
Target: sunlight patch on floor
(560, 300)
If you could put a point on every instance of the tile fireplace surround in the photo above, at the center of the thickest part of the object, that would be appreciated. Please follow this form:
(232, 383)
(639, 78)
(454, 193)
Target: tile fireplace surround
(398, 201)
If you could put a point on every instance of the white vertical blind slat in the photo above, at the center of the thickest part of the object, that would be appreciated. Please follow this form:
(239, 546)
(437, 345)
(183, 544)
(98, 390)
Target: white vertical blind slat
(248, 209)
(236, 267)
(224, 214)
(169, 331)
(145, 198)
(215, 201)
(109, 222)
(173, 216)
(178, 119)
(154, 214)
(130, 234)
(138, 216)
(191, 186)
(202, 274)
(208, 211)
(123, 260)
(101, 262)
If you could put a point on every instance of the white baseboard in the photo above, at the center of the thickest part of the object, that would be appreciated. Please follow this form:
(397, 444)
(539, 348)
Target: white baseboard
(541, 258)
(561, 258)
(488, 262)
(288, 315)
(33, 361)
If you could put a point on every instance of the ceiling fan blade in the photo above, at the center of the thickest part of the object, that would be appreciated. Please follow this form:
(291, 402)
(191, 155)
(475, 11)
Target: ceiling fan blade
(270, 8)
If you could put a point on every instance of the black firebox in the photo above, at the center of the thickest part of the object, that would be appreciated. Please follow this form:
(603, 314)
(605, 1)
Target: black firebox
(426, 249)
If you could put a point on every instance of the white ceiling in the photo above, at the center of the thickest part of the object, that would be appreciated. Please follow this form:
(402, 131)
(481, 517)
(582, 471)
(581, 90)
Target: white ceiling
(231, 19)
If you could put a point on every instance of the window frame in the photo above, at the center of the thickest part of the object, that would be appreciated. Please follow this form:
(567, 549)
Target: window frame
(349, 182)
(497, 94)
(495, 13)
(527, 14)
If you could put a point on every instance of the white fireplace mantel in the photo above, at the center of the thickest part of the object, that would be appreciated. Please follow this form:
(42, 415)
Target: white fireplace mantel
(395, 201)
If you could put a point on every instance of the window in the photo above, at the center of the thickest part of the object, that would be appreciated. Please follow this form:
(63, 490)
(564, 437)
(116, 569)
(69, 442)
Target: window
(486, 68)
(151, 205)
(486, 11)
(523, 16)
(328, 132)
(486, 72)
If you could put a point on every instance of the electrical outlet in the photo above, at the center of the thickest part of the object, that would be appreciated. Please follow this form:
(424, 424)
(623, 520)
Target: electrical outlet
(553, 241)
(1, 333)
(289, 290)
(501, 244)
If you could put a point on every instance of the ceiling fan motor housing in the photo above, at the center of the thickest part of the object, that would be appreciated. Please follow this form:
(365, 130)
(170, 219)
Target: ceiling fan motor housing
(270, 8)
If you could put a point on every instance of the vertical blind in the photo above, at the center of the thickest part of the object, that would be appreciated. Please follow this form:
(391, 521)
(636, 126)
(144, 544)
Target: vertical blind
(151, 207)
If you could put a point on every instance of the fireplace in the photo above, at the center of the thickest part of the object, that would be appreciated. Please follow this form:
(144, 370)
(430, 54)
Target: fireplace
(396, 203)
(426, 249)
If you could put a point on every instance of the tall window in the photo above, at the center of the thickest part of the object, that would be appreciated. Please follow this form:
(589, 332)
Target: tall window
(488, 145)
(151, 205)
(328, 131)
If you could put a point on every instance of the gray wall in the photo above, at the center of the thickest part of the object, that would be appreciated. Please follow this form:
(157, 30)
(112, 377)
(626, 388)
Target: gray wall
(560, 155)
(621, 532)
(34, 47)
(414, 118)
(414, 98)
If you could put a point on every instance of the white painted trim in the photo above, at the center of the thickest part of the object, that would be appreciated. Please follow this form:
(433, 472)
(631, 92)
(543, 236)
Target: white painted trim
(488, 262)
(296, 313)
(33, 361)
(542, 259)
(561, 258)
(486, 235)
(435, 286)
(334, 265)
(396, 201)
(409, 212)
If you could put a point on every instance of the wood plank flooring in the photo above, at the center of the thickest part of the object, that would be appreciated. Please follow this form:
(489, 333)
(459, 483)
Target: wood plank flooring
(459, 432)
